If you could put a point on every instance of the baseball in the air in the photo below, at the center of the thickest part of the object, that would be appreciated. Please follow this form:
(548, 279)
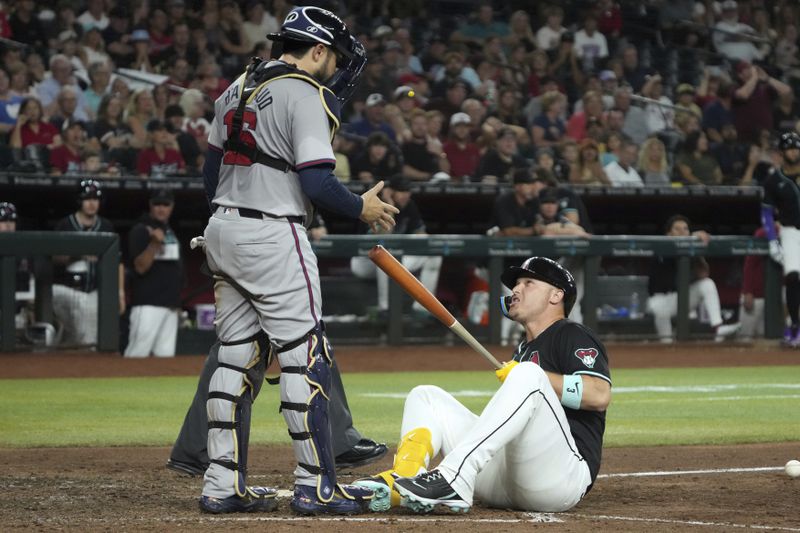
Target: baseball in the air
(792, 468)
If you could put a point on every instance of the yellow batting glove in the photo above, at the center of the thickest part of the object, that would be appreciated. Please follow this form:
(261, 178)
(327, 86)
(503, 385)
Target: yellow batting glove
(502, 372)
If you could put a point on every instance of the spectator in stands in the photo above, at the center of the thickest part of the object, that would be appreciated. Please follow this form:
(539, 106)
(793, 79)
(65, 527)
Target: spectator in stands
(31, 128)
(498, 165)
(482, 27)
(588, 170)
(593, 109)
(658, 113)
(50, 88)
(67, 108)
(663, 301)
(94, 16)
(158, 29)
(514, 213)
(634, 122)
(463, 155)
(373, 81)
(435, 121)
(407, 222)
(613, 145)
(99, 85)
(140, 111)
(374, 119)
(731, 36)
(546, 165)
(212, 84)
(695, 165)
(20, 80)
(591, 46)
(157, 280)
(67, 158)
(685, 101)
(114, 134)
(423, 155)
(520, 32)
(75, 287)
(550, 221)
(26, 26)
(457, 92)
(9, 105)
(117, 37)
(752, 100)
(507, 108)
(785, 114)
(181, 48)
(565, 67)
(258, 23)
(755, 155)
(653, 165)
(180, 74)
(548, 128)
(622, 172)
(233, 43)
(731, 155)
(455, 69)
(142, 46)
(548, 37)
(195, 124)
(718, 113)
(378, 160)
(635, 74)
(162, 96)
(92, 48)
(609, 21)
(160, 159)
(787, 53)
(187, 144)
(539, 65)
(568, 159)
(340, 145)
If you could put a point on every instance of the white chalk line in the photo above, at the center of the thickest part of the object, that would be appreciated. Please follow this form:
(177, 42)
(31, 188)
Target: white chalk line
(685, 522)
(694, 472)
(726, 387)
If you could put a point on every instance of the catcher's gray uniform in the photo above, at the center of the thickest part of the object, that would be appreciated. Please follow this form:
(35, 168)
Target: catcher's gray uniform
(267, 279)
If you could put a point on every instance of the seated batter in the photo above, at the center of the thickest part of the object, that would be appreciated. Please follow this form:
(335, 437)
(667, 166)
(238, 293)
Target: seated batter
(537, 444)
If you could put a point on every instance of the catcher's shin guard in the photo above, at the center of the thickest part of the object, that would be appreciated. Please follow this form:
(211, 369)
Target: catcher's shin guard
(305, 385)
(232, 390)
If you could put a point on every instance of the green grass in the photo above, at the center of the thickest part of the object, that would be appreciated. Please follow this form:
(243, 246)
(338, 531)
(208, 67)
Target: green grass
(713, 406)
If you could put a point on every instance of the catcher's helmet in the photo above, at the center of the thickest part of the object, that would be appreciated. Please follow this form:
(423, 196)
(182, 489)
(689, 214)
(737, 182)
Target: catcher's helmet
(788, 141)
(89, 189)
(546, 270)
(8, 212)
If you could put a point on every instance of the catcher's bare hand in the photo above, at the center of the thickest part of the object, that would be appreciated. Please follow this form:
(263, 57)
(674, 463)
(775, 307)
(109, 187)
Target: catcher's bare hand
(376, 212)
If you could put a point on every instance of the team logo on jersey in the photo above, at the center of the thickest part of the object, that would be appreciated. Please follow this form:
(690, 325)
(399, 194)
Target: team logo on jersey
(587, 355)
(534, 358)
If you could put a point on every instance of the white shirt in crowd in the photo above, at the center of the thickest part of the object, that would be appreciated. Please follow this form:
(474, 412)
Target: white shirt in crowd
(620, 177)
(658, 118)
(590, 47)
(728, 42)
(547, 38)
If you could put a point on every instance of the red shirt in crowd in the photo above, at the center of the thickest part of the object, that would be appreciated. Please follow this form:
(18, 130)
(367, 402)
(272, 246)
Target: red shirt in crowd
(65, 159)
(47, 132)
(463, 161)
(150, 164)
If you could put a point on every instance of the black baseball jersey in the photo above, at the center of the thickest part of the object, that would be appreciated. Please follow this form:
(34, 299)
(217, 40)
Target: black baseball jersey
(508, 213)
(84, 281)
(782, 193)
(569, 348)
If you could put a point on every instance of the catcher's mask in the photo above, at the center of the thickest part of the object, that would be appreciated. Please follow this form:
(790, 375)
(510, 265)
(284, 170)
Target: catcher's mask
(546, 270)
(313, 25)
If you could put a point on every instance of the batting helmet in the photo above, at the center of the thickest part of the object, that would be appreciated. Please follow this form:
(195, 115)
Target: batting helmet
(788, 141)
(546, 270)
(89, 189)
(8, 212)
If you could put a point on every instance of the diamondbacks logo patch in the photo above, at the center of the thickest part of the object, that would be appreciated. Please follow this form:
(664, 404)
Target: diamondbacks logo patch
(587, 355)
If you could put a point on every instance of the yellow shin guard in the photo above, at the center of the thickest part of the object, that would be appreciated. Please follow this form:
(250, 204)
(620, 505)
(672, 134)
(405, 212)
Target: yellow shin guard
(414, 453)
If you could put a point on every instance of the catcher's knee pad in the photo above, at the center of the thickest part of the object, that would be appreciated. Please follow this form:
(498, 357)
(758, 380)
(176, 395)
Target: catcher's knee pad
(305, 385)
(231, 392)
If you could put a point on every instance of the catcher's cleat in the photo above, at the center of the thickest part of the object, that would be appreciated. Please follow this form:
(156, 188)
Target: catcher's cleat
(382, 485)
(347, 500)
(424, 492)
(186, 469)
(257, 500)
(365, 452)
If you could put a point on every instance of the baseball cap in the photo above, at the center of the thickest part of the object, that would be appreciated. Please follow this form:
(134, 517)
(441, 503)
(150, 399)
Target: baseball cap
(607, 75)
(156, 125)
(173, 110)
(460, 118)
(162, 197)
(548, 196)
(375, 99)
(8, 212)
(522, 175)
(400, 183)
(382, 30)
(404, 91)
(685, 88)
(139, 35)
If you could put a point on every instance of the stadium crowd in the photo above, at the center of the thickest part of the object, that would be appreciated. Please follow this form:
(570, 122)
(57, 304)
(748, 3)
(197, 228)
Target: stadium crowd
(538, 96)
(642, 93)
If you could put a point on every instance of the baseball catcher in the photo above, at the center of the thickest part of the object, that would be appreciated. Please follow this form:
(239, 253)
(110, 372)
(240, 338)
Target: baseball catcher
(537, 444)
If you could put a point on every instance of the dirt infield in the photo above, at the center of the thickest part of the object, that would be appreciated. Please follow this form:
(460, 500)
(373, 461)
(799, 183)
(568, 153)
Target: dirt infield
(103, 489)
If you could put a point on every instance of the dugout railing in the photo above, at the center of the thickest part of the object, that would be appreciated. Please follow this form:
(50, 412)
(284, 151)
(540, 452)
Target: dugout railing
(39, 246)
(497, 250)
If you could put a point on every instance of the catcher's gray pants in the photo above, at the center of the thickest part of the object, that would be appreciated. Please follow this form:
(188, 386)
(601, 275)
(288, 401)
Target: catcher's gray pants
(190, 446)
(267, 281)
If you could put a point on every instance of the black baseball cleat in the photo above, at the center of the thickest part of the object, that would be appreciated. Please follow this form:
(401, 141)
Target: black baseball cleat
(257, 500)
(186, 469)
(425, 491)
(365, 452)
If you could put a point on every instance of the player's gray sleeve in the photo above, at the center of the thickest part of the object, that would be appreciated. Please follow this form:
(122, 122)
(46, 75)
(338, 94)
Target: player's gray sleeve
(311, 134)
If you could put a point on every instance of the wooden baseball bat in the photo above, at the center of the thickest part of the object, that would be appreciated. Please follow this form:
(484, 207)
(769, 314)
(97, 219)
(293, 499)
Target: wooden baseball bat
(395, 270)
